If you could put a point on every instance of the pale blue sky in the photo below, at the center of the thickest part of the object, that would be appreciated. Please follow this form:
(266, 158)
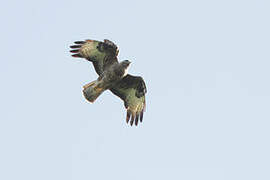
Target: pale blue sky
(206, 65)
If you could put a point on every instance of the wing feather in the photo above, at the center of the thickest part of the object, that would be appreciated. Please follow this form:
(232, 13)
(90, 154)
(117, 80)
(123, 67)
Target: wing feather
(101, 54)
(132, 90)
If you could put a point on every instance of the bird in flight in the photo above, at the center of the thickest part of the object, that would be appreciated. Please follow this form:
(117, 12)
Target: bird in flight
(113, 76)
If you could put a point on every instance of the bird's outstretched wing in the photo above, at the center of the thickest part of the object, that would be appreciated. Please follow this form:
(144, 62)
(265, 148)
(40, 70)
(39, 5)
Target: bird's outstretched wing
(132, 90)
(102, 54)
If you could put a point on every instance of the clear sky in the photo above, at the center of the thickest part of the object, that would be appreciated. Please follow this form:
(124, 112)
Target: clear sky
(206, 66)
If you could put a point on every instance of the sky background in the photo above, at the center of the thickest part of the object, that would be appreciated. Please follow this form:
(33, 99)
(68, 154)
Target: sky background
(206, 67)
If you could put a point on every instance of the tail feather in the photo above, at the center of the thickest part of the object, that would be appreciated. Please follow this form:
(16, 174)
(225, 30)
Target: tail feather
(91, 91)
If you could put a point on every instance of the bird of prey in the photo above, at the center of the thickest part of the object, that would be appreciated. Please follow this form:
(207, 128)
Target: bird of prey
(112, 76)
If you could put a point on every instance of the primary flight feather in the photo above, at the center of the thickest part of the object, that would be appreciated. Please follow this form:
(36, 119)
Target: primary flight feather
(113, 76)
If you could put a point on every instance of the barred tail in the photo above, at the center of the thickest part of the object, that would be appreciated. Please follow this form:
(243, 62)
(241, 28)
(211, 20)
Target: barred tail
(91, 91)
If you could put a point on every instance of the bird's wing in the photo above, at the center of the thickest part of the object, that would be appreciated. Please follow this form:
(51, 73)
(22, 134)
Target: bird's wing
(102, 54)
(132, 90)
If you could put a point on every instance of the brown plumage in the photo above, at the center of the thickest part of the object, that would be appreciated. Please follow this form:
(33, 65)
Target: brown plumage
(112, 76)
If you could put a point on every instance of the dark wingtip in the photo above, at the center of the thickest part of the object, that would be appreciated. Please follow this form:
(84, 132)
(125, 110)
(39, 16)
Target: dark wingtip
(141, 116)
(137, 119)
(76, 55)
(75, 46)
(132, 120)
(79, 42)
(74, 51)
(128, 117)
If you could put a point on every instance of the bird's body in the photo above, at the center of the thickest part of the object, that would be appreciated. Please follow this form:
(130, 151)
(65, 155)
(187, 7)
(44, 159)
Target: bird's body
(113, 76)
(114, 73)
(107, 80)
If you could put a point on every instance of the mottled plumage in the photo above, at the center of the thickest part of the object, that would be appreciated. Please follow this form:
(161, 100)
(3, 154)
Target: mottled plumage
(113, 76)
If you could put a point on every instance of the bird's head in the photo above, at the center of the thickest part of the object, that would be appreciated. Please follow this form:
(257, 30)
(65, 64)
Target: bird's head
(125, 64)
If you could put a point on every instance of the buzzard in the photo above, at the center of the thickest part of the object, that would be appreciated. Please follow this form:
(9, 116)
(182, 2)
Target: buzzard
(112, 76)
